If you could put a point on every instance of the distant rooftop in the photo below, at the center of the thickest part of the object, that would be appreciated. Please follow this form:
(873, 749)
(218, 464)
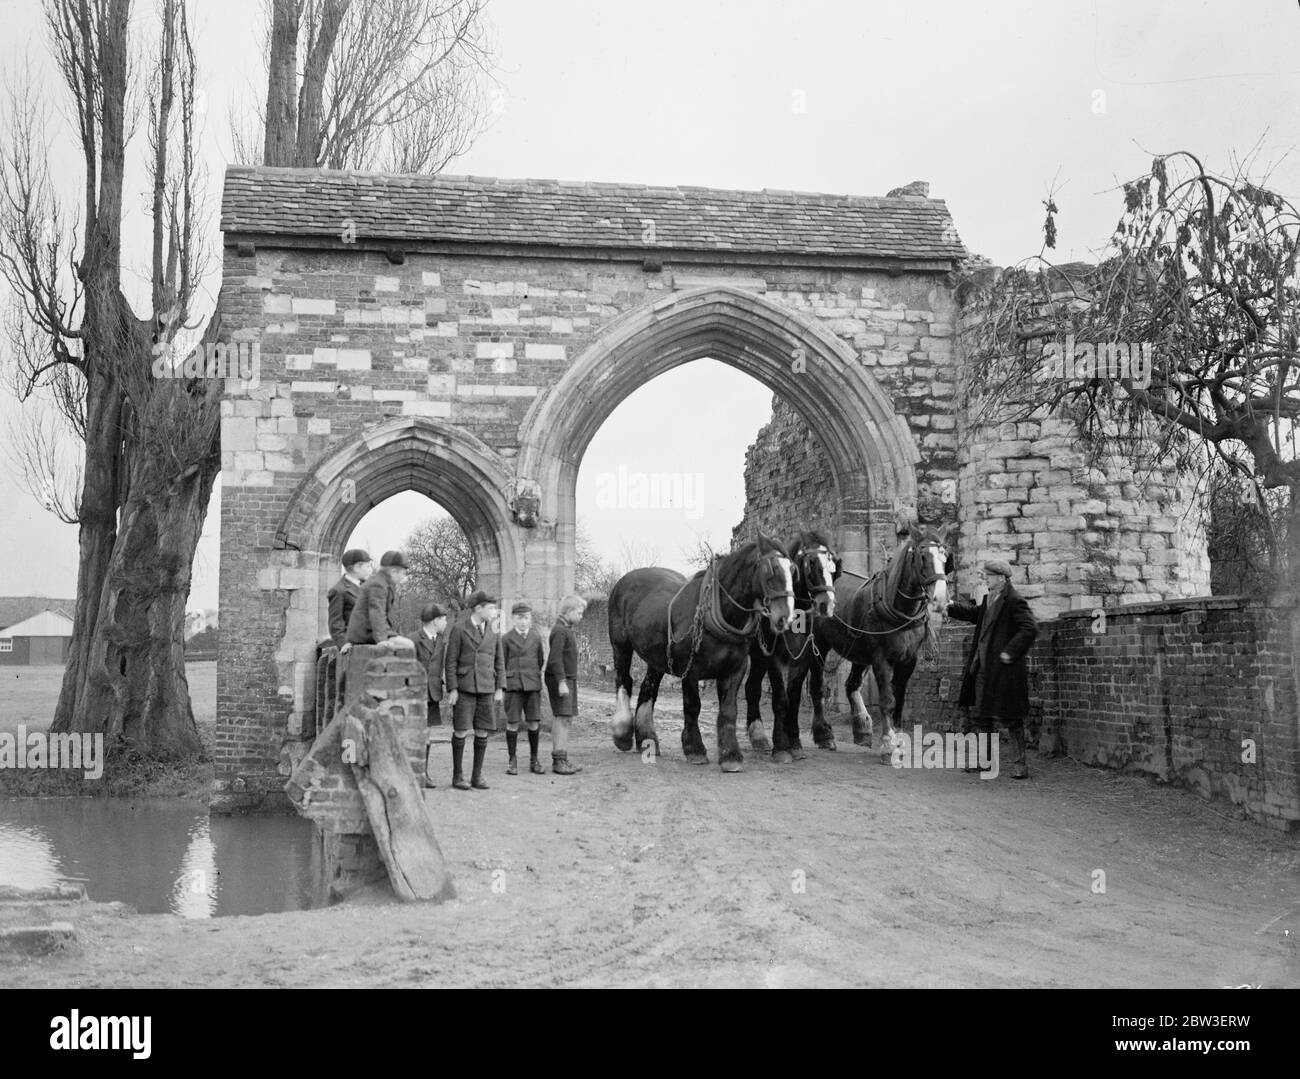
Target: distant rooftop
(278, 202)
(15, 609)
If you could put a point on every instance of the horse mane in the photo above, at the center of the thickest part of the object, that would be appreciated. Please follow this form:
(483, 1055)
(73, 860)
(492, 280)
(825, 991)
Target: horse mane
(809, 538)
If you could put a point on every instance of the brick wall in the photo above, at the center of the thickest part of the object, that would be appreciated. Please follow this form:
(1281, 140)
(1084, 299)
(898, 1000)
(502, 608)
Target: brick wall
(1168, 689)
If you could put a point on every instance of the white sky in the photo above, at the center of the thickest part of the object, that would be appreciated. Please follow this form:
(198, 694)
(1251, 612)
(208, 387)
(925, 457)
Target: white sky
(988, 102)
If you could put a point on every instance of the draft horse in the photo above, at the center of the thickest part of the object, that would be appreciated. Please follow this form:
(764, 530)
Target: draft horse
(879, 623)
(816, 567)
(695, 629)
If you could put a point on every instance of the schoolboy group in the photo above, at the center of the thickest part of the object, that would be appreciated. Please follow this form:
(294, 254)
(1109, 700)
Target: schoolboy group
(471, 665)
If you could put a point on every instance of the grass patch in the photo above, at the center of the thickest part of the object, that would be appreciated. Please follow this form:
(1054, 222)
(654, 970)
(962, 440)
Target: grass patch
(28, 696)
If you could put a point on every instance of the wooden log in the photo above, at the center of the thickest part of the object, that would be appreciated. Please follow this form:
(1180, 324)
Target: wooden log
(394, 803)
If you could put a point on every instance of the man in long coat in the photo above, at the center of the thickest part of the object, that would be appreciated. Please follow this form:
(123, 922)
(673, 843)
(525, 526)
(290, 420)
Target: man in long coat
(995, 679)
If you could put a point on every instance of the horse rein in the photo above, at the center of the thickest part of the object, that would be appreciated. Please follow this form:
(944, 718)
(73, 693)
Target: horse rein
(710, 617)
(882, 606)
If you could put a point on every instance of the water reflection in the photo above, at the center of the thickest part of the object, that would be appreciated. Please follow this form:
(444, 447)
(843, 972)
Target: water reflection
(162, 857)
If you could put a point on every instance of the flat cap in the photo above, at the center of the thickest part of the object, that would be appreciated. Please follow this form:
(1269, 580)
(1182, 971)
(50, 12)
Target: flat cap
(478, 598)
(430, 611)
(521, 608)
(352, 557)
(394, 558)
(996, 565)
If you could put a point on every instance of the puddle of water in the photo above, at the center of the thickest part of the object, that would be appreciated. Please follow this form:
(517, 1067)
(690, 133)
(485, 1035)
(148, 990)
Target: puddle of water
(162, 857)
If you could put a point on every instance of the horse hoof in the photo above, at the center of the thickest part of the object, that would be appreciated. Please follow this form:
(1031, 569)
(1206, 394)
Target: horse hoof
(732, 766)
(761, 745)
(697, 758)
(623, 741)
(861, 738)
(827, 743)
(799, 753)
(781, 756)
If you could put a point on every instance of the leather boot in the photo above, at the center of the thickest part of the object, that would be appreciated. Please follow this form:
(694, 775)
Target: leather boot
(560, 764)
(1019, 769)
(512, 742)
(458, 764)
(480, 751)
(428, 775)
(534, 765)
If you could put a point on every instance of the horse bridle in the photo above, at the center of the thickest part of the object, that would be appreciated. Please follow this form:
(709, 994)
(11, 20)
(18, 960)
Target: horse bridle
(708, 609)
(926, 576)
(802, 561)
(760, 610)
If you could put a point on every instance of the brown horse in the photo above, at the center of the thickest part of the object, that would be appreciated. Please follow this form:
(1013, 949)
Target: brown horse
(694, 629)
(880, 622)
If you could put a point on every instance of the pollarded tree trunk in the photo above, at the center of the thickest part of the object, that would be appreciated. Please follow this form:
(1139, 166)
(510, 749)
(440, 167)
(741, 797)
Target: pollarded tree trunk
(134, 683)
(97, 533)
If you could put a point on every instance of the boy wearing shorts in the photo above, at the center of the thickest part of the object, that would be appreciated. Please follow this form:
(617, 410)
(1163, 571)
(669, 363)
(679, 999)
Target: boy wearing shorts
(522, 649)
(476, 678)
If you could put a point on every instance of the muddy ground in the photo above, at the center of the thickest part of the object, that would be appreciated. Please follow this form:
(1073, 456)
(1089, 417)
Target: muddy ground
(832, 871)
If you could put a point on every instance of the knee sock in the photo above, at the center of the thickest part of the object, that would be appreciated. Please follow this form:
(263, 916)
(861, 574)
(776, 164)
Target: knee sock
(534, 736)
(480, 751)
(512, 741)
(457, 756)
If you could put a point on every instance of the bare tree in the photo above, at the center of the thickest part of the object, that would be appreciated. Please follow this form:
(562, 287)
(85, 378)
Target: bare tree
(388, 84)
(150, 445)
(1200, 277)
(442, 562)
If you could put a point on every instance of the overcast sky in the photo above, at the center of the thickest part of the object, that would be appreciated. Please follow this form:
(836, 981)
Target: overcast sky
(991, 103)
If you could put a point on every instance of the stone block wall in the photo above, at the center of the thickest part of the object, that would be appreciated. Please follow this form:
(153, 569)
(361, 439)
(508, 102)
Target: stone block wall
(1079, 535)
(349, 342)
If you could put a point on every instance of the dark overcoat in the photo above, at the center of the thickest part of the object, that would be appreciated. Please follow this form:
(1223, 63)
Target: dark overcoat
(1005, 686)
(432, 656)
(524, 659)
(342, 598)
(562, 663)
(474, 661)
(373, 619)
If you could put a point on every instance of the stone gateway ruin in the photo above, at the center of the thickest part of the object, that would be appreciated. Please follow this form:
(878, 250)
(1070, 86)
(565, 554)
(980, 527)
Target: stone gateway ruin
(465, 337)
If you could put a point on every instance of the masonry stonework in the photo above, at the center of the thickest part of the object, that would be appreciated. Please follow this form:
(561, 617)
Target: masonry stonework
(466, 338)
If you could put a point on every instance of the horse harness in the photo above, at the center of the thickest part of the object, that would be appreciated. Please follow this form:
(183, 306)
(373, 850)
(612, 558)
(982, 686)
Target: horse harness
(708, 614)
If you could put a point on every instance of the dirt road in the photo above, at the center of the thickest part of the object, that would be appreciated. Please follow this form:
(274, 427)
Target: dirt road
(832, 871)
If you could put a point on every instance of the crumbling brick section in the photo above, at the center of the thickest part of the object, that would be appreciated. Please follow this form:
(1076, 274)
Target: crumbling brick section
(322, 787)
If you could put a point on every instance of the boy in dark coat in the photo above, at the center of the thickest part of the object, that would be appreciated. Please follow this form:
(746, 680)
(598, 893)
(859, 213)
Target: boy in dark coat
(476, 678)
(431, 652)
(343, 595)
(995, 679)
(522, 651)
(562, 681)
(374, 617)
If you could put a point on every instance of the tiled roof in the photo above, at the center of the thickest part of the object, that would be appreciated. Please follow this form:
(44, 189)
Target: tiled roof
(15, 609)
(476, 209)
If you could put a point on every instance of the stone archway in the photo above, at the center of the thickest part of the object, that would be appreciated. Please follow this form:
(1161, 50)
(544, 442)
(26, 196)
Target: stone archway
(872, 451)
(446, 464)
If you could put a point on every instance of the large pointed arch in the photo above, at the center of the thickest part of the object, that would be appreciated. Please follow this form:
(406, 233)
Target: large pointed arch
(872, 451)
